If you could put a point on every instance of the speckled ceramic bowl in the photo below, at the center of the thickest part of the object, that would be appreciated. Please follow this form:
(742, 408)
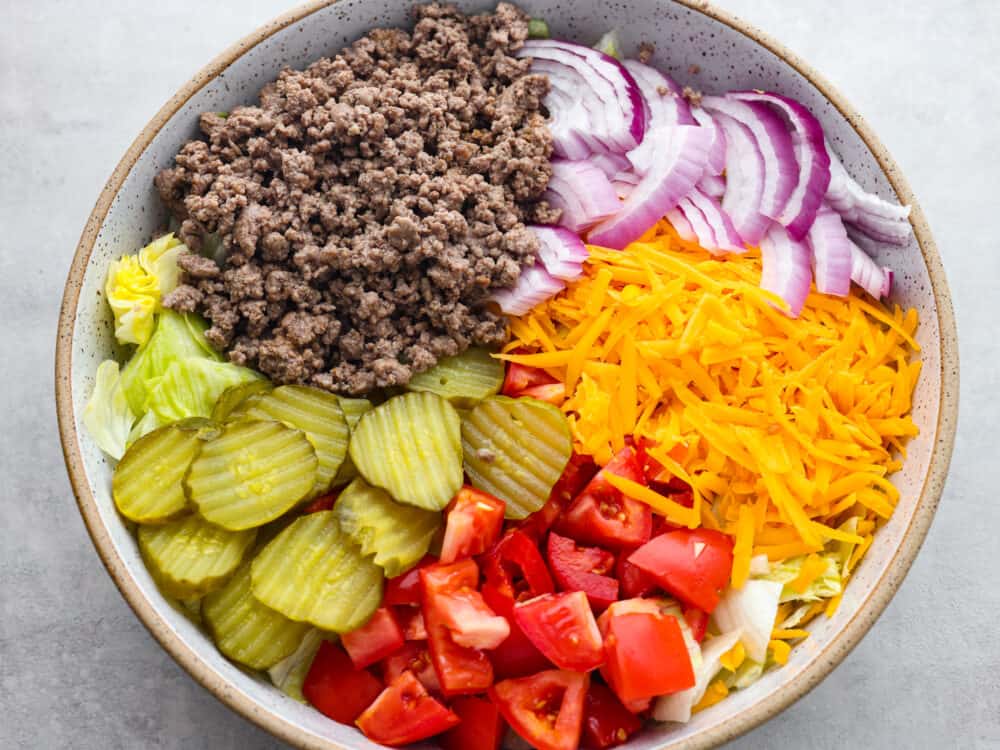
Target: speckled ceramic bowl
(727, 54)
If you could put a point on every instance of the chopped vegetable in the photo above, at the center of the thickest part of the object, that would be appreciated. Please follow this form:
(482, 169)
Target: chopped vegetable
(335, 688)
(464, 380)
(378, 638)
(474, 522)
(807, 578)
(563, 628)
(693, 564)
(289, 674)
(677, 706)
(751, 611)
(545, 709)
(107, 415)
(135, 285)
(481, 728)
(538, 29)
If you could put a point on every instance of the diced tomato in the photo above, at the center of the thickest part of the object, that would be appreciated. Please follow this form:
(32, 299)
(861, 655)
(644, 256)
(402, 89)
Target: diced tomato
(335, 688)
(374, 640)
(471, 622)
(553, 393)
(697, 621)
(413, 657)
(646, 656)
(625, 607)
(461, 670)
(538, 523)
(517, 655)
(405, 589)
(639, 705)
(562, 627)
(580, 470)
(405, 712)
(482, 726)
(582, 569)
(604, 516)
(474, 521)
(515, 566)
(411, 621)
(521, 377)
(546, 709)
(606, 722)
(632, 581)
(323, 502)
(692, 564)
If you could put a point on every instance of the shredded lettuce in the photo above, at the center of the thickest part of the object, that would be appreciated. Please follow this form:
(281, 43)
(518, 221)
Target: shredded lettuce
(190, 388)
(828, 584)
(107, 414)
(610, 44)
(289, 674)
(135, 285)
(538, 29)
(750, 610)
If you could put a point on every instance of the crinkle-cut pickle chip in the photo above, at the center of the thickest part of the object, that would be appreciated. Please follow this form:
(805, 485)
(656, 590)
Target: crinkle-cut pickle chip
(147, 481)
(411, 446)
(354, 409)
(516, 449)
(247, 631)
(313, 572)
(397, 535)
(318, 414)
(191, 557)
(235, 396)
(464, 380)
(251, 473)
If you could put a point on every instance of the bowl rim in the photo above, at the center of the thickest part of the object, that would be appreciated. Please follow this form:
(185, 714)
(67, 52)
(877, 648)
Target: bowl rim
(743, 721)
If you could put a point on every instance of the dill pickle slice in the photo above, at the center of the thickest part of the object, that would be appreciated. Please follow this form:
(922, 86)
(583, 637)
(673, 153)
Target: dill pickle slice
(464, 380)
(235, 396)
(411, 446)
(313, 572)
(247, 631)
(354, 409)
(191, 557)
(315, 412)
(251, 473)
(397, 535)
(516, 449)
(146, 484)
(289, 674)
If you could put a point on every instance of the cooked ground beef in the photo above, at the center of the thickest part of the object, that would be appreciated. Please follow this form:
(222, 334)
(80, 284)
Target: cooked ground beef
(368, 204)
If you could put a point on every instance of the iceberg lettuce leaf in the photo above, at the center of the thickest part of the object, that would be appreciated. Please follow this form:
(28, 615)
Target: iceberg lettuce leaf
(107, 415)
(827, 584)
(137, 283)
(190, 388)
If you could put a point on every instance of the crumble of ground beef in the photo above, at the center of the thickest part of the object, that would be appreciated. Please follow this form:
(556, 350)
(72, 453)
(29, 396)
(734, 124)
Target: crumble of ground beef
(369, 204)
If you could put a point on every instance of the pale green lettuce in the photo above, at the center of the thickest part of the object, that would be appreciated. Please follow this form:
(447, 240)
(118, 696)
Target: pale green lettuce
(827, 584)
(190, 388)
(107, 414)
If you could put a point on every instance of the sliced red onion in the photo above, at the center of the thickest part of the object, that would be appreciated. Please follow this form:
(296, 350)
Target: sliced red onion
(617, 115)
(877, 218)
(713, 185)
(583, 192)
(831, 251)
(577, 116)
(781, 171)
(680, 156)
(680, 223)
(717, 153)
(666, 105)
(811, 155)
(744, 181)
(610, 164)
(869, 275)
(786, 271)
(703, 232)
(561, 252)
(726, 238)
(534, 286)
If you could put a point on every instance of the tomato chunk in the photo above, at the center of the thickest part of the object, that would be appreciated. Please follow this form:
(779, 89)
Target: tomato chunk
(335, 688)
(374, 640)
(632, 581)
(646, 656)
(413, 657)
(562, 627)
(553, 393)
(474, 521)
(697, 621)
(579, 470)
(411, 621)
(606, 722)
(603, 516)
(546, 709)
(405, 712)
(482, 726)
(521, 377)
(405, 588)
(582, 569)
(692, 564)
(471, 622)
(515, 566)
(323, 502)
(517, 655)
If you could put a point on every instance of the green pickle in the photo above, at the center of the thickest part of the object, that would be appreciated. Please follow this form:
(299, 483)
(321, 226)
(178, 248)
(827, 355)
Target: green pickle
(251, 473)
(247, 631)
(354, 409)
(397, 535)
(146, 484)
(516, 449)
(313, 572)
(411, 446)
(233, 400)
(464, 380)
(191, 557)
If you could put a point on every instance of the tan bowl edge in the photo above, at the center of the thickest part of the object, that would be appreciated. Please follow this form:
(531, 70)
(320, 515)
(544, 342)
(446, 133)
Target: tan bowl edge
(736, 725)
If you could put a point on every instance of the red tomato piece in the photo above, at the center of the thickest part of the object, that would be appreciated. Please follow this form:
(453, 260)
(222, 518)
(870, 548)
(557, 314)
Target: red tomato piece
(520, 377)
(562, 627)
(474, 521)
(639, 705)
(604, 516)
(515, 566)
(632, 581)
(517, 655)
(405, 712)
(546, 709)
(411, 621)
(692, 564)
(606, 722)
(697, 621)
(461, 670)
(471, 622)
(579, 470)
(323, 502)
(646, 656)
(413, 657)
(582, 569)
(553, 393)
(374, 640)
(335, 688)
(405, 588)
(624, 607)
(482, 726)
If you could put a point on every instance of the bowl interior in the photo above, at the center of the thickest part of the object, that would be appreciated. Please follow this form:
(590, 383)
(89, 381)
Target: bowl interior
(697, 49)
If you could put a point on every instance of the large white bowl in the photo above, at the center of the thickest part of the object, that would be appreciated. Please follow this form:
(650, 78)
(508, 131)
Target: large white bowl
(700, 46)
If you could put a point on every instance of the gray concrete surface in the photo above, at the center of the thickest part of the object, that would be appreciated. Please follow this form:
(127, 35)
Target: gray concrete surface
(79, 79)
